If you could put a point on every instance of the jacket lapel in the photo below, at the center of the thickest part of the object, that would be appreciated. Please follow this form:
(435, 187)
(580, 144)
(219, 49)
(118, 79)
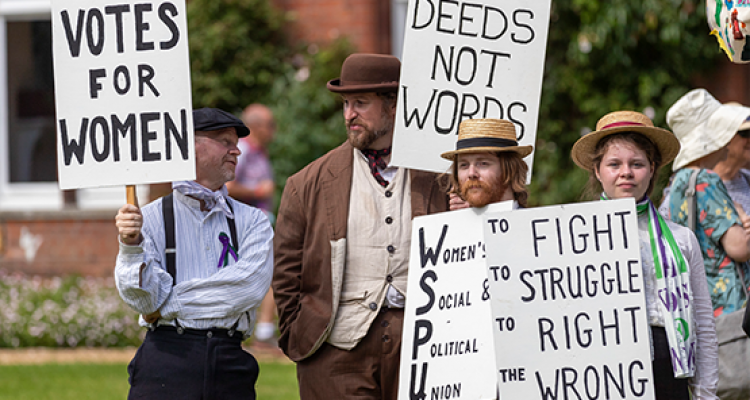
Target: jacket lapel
(336, 187)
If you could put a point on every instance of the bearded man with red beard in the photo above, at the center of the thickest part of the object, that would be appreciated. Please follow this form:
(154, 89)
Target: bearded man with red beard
(343, 237)
(488, 165)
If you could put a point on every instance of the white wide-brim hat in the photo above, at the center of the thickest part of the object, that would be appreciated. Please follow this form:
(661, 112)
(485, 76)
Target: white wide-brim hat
(703, 125)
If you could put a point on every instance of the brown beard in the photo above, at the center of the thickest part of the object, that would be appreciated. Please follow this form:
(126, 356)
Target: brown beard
(369, 135)
(487, 193)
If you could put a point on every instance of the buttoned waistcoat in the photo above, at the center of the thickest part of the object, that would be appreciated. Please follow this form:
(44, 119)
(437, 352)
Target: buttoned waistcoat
(313, 213)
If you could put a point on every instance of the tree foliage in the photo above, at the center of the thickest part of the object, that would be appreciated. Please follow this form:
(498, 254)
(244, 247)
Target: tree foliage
(237, 51)
(240, 55)
(609, 56)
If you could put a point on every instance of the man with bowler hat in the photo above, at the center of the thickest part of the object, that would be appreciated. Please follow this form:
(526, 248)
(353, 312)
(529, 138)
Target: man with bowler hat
(342, 246)
(196, 264)
(488, 165)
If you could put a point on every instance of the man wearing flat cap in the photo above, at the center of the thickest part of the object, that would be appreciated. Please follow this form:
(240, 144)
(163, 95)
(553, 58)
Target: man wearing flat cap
(196, 265)
(342, 246)
(488, 165)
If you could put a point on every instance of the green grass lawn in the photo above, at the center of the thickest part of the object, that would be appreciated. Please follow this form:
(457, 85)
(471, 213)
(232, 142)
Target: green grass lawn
(277, 381)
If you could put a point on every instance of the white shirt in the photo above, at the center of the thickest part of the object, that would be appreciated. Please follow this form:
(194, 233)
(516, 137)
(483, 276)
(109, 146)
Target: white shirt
(205, 295)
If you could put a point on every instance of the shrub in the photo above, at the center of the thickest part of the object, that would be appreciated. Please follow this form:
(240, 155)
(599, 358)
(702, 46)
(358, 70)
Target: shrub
(64, 312)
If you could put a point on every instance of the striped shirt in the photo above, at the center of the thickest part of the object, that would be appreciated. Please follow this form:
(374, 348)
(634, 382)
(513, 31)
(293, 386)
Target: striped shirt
(205, 295)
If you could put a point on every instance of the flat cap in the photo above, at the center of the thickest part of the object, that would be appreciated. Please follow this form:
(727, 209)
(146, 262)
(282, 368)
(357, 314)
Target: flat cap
(213, 119)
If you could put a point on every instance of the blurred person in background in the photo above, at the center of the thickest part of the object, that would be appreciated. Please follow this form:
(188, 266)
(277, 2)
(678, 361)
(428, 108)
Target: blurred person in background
(253, 185)
(705, 129)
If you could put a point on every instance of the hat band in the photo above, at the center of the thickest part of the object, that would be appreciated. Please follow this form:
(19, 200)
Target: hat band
(485, 142)
(619, 124)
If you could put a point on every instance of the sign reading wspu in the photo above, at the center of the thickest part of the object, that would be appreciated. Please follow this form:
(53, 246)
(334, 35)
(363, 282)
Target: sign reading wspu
(122, 88)
(447, 345)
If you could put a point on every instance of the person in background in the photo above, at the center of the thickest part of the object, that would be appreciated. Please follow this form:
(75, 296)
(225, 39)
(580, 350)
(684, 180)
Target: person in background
(253, 185)
(732, 169)
(623, 156)
(196, 265)
(488, 165)
(704, 128)
(343, 243)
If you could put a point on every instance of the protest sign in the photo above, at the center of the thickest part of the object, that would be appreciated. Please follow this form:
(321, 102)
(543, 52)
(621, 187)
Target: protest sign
(447, 345)
(568, 302)
(461, 59)
(122, 92)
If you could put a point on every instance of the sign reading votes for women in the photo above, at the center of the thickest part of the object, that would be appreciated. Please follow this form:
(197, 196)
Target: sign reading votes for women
(568, 302)
(447, 349)
(467, 59)
(122, 88)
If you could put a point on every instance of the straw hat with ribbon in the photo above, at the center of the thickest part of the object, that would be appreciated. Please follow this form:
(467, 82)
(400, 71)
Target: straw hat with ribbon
(703, 125)
(491, 135)
(624, 121)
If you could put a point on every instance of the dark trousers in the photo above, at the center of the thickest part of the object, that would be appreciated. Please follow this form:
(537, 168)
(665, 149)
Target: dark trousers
(192, 366)
(666, 386)
(367, 372)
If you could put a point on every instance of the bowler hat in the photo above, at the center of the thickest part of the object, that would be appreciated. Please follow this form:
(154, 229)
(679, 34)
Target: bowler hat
(491, 135)
(213, 119)
(624, 121)
(363, 72)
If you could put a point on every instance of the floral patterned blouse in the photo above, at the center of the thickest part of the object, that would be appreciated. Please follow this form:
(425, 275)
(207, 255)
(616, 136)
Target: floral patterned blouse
(716, 214)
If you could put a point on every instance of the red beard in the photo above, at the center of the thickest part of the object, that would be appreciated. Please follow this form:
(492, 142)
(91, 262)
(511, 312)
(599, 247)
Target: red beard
(479, 193)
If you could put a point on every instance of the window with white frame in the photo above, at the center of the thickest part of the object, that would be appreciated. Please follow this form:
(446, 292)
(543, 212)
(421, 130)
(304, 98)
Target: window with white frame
(28, 140)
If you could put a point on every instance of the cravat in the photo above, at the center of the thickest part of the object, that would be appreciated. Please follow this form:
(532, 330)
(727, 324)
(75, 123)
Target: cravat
(376, 162)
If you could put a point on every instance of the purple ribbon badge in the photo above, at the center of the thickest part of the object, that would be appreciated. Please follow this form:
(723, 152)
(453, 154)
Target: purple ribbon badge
(228, 249)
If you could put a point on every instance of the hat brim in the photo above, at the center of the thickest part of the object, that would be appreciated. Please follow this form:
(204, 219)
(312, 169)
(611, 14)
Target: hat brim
(666, 142)
(523, 151)
(335, 86)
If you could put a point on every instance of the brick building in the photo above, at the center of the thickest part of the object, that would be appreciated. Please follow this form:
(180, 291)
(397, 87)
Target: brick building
(46, 231)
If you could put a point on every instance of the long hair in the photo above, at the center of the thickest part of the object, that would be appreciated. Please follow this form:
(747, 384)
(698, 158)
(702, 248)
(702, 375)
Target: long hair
(513, 172)
(594, 187)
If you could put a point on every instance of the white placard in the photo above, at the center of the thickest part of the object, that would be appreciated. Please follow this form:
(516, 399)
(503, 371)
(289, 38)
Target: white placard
(447, 345)
(568, 303)
(461, 59)
(122, 92)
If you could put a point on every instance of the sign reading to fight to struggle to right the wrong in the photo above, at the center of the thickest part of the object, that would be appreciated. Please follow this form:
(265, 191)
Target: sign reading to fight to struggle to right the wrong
(122, 92)
(568, 302)
(467, 59)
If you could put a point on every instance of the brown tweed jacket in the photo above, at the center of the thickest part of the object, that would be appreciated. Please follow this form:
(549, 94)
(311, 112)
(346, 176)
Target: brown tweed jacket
(313, 212)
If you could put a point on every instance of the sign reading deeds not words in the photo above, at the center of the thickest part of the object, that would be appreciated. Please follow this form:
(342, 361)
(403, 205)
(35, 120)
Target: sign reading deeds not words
(568, 302)
(447, 347)
(467, 59)
(122, 91)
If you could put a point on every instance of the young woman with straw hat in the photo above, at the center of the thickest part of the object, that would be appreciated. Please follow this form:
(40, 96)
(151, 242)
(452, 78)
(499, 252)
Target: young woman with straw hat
(622, 157)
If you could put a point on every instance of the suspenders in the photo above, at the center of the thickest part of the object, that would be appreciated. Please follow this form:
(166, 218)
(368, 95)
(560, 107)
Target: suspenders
(167, 207)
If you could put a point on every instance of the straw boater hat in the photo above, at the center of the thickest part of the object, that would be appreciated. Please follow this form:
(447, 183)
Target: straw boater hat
(703, 125)
(367, 73)
(492, 135)
(624, 121)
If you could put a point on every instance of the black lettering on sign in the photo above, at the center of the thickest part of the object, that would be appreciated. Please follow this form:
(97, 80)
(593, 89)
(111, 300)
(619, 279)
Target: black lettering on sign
(104, 137)
(568, 384)
(118, 11)
(430, 255)
(169, 22)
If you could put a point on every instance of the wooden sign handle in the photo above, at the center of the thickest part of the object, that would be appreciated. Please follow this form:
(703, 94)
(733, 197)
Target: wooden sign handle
(132, 198)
